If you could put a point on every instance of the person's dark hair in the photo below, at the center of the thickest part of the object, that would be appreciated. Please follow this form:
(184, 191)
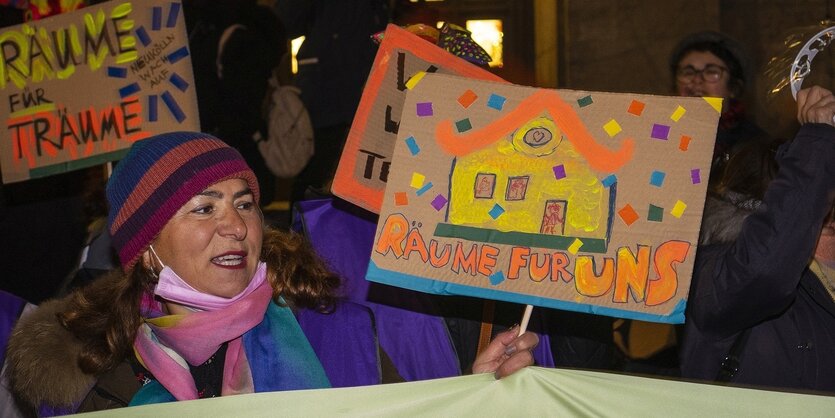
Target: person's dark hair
(721, 45)
(105, 315)
(751, 169)
(739, 191)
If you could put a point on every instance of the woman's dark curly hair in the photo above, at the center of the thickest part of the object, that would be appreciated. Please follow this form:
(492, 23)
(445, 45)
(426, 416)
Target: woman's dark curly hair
(105, 315)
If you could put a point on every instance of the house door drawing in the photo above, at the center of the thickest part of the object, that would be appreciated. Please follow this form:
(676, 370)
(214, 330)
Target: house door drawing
(553, 219)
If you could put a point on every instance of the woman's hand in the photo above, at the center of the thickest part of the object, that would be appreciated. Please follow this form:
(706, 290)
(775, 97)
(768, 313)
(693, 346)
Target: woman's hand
(507, 353)
(816, 105)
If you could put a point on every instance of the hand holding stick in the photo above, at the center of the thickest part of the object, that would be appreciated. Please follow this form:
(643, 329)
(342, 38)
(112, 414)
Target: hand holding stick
(509, 351)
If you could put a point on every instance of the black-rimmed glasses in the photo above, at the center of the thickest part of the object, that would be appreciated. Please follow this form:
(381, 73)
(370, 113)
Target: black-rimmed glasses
(711, 73)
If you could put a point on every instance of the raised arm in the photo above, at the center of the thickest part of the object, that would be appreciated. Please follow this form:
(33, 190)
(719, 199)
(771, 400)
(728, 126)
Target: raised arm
(757, 277)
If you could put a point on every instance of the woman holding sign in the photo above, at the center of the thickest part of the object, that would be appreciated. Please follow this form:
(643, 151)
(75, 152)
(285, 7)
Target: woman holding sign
(762, 307)
(210, 302)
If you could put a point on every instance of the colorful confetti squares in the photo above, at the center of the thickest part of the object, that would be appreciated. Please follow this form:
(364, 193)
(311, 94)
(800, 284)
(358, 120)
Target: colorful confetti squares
(585, 101)
(678, 209)
(575, 246)
(657, 178)
(677, 114)
(496, 102)
(401, 199)
(655, 213)
(696, 175)
(612, 128)
(636, 107)
(417, 180)
(438, 202)
(715, 103)
(463, 125)
(660, 131)
(628, 214)
(424, 189)
(424, 109)
(415, 80)
(559, 172)
(684, 142)
(497, 278)
(466, 99)
(413, 146)
(496, 211)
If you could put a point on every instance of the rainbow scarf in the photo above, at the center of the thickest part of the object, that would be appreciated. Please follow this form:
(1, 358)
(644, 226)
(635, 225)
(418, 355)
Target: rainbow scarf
(267, 349)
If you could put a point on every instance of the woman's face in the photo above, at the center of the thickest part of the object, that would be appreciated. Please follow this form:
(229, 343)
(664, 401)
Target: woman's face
(214, 241)
(698, 85)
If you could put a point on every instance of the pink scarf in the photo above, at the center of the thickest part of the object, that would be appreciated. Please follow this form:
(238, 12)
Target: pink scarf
(166, 345)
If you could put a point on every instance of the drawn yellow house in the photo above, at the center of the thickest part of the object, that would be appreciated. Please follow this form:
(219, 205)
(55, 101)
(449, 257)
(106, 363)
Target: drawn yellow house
(532, 186)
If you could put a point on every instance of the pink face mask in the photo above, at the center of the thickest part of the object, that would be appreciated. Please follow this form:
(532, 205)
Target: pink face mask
(174, 289)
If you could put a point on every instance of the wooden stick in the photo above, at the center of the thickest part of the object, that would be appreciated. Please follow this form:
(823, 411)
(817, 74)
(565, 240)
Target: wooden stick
(525, 319)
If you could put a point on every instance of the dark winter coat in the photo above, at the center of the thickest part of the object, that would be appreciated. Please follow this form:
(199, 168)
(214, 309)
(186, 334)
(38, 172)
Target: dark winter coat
(761, 280)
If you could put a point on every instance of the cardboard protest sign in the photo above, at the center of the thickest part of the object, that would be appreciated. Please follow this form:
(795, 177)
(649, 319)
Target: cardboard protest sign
(574, 200)
(366, 158)
(79, 88)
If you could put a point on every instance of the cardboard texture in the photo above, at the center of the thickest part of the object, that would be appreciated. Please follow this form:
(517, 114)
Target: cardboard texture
(402, 58)
(79, 88)
(574, 200)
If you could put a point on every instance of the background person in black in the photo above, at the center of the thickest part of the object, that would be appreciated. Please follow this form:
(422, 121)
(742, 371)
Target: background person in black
(334, 61)
(232, 86)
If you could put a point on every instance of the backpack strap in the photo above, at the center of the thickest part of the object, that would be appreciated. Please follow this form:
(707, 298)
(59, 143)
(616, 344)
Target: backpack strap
(221, 44)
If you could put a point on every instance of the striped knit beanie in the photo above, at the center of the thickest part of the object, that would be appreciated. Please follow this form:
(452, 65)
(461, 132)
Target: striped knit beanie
(157, 177)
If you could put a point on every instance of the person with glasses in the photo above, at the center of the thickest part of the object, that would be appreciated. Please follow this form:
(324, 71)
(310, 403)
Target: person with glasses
(711, 64)
(703, 64)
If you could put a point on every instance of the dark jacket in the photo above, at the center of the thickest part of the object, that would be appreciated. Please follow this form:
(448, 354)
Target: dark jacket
(336, 55)
(761, 281)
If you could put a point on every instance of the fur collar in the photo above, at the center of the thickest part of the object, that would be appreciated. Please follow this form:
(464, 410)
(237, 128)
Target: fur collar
(42, 360)
(723, 217)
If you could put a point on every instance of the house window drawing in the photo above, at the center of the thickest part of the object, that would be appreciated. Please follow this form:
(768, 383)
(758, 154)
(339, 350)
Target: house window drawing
(516, 188)
(553, 220)
(485, 184)
(550, 175)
